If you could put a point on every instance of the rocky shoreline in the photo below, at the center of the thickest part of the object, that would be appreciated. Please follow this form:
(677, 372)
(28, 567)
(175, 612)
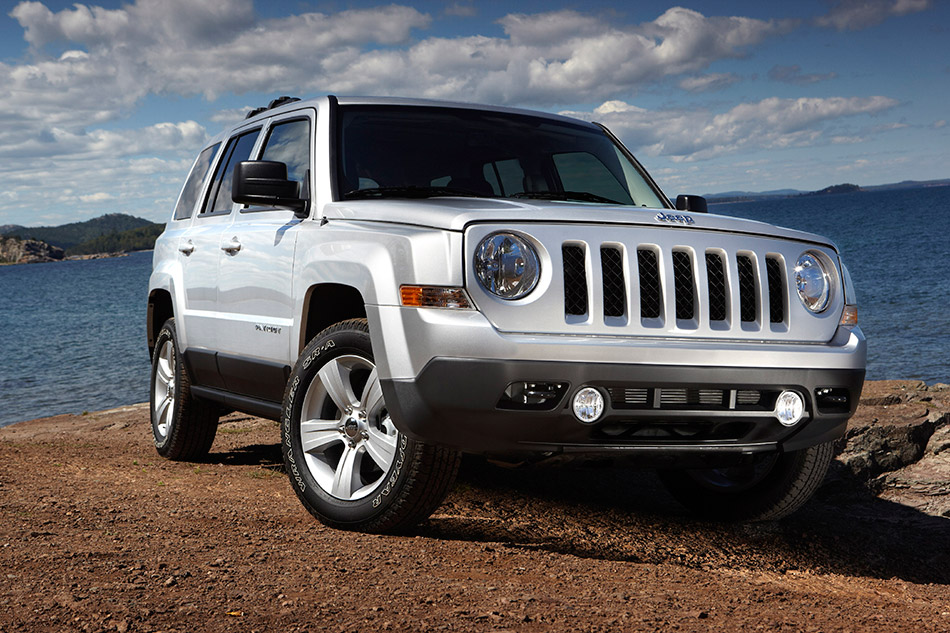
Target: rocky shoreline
(14, 250)
(98, 533)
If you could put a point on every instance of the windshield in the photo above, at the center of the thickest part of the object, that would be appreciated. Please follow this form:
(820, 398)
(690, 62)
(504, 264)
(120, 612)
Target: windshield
(423, 152)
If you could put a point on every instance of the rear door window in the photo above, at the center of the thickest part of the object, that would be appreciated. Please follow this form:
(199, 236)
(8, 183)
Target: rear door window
(219, 194)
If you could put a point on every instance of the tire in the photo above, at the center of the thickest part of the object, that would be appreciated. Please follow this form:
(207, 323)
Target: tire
(772, 487)
(348, 464)
(183, 426)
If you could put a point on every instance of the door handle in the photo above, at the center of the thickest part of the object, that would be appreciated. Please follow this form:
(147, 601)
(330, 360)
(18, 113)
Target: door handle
(232, 247)
(187, 248)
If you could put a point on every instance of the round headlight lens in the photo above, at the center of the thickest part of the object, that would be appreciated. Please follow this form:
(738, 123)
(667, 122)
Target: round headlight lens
(507, 266)
(813, 283)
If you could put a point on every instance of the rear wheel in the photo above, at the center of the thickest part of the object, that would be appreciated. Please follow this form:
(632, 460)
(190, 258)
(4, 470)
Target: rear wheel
(770, 487)
(183, 426)
(347, 462)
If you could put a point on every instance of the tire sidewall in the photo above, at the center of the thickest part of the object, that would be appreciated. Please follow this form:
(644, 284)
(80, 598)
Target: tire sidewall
(335, 342)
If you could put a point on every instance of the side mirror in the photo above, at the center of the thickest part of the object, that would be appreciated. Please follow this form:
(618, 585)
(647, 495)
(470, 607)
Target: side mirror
(264, 182)
(696, 204)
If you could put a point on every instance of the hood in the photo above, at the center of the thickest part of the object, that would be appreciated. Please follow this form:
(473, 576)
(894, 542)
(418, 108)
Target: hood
(454, 214)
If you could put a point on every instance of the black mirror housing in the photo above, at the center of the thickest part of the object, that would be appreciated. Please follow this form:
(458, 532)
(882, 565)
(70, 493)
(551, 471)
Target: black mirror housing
(696, 204)
(264, 183)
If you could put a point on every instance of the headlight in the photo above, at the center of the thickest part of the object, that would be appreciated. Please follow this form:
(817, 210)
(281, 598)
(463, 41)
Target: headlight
(813, 282)
(507, 266)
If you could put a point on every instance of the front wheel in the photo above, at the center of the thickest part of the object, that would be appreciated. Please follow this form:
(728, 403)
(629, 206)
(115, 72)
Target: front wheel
(770, 487)
(347, 462)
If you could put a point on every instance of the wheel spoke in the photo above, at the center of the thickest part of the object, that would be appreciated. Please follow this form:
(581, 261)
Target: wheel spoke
(336, 380)
(346, 471)
(372, 399)
(381, 447)
(164, 411)
(318, 435)
(165, 365)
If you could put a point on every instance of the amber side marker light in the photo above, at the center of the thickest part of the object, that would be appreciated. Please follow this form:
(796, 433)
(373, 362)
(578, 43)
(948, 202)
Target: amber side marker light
(434, 297)
(849, 316)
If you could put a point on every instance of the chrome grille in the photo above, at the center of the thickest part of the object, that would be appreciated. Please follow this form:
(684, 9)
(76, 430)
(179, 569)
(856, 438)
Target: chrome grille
(741, 284)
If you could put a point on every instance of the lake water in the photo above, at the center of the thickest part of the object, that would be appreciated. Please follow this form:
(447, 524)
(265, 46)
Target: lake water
(72, 334)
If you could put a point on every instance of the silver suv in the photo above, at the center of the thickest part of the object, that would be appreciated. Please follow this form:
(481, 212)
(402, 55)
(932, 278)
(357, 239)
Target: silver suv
(397, 281)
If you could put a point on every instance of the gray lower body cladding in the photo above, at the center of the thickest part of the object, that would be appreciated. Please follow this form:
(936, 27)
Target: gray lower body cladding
(650, 410)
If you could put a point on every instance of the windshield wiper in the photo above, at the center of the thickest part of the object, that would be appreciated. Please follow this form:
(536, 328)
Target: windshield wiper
(409, 192)
(581, 196)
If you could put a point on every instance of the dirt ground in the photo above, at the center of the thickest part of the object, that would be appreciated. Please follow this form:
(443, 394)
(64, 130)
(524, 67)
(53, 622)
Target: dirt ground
(98, 533)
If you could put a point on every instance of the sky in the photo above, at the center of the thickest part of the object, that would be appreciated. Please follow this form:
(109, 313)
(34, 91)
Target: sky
(104, 106)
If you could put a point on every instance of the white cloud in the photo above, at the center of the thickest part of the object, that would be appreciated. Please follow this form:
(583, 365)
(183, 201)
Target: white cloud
(210, 47)
(232, 115)
(99, 196)
(688, 135)
(793, 75)
(463, 10)
(708, 83)
(854, 15)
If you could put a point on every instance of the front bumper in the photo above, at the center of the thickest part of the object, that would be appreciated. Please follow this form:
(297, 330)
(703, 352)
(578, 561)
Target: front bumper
(461, 403)
(444, 376)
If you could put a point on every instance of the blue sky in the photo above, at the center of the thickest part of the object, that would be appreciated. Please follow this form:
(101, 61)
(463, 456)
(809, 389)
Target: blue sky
(105, 105)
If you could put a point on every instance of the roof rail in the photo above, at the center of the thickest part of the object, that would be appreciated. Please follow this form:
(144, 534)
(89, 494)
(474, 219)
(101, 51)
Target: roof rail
(276, 103)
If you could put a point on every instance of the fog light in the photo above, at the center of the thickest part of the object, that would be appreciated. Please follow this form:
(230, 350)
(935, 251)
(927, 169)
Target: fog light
(588, 405)
(789, 408)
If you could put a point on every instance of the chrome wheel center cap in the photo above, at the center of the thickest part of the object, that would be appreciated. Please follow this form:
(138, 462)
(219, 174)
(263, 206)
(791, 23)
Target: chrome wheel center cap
(351, 427)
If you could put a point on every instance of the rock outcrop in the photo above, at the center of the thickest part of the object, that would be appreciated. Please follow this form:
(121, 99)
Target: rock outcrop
(898, 444)
(14, 250)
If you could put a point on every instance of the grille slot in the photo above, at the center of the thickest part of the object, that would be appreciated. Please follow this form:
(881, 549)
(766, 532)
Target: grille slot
(747, 397)
(773, 268)
(650, 299)
(575, 280)
(716, 278)
(747, 302)
(683, 284)
(615, 285)
(630, 397)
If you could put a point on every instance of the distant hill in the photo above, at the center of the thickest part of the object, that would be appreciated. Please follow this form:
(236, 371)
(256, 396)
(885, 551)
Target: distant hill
(70, 235)
(750, 196)
(139, 239)
(835, 189)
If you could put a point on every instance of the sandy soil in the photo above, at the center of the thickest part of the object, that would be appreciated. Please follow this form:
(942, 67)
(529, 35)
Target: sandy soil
(98, 533)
